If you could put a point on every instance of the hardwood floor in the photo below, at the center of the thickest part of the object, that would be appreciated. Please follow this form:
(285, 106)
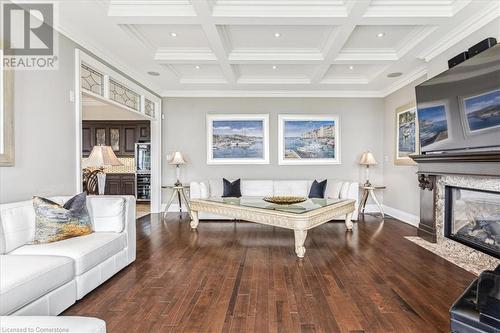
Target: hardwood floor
(237, 277)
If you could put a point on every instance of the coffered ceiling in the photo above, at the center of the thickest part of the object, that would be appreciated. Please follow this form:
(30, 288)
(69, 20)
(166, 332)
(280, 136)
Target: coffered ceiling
(273, 47)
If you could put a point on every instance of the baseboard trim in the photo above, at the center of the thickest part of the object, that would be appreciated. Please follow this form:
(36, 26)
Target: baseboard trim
(408, 218)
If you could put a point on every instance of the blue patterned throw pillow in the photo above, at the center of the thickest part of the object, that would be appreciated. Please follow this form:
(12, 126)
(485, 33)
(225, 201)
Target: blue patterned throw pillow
(54, 222)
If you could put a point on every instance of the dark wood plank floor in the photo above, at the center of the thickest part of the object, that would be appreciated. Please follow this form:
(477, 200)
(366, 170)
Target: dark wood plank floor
(245, 277)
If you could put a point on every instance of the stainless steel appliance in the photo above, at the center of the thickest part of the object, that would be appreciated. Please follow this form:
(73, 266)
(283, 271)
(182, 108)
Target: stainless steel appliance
(143, 171)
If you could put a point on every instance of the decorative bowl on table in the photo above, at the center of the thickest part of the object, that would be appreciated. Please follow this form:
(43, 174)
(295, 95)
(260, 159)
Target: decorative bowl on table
(285, 199)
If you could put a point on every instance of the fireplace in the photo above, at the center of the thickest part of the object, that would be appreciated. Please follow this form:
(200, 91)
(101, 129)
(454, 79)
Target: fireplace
(472, 217)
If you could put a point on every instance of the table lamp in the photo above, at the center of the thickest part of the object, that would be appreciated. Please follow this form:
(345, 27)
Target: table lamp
(367, 159)
(177, 159)
(101, 157)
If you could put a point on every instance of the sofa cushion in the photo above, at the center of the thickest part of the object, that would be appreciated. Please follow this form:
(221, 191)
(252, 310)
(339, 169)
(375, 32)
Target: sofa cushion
(108, 214)
(17, 225)
(87, 251)
(25, 278)
(216, 187)
(257, 188)
(333, 188)
(291, 187)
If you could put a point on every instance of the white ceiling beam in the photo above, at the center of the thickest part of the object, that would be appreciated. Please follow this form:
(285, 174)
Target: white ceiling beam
(171, 56)
(339, 37)
(215, 40)
(159, 8)
(259, 56)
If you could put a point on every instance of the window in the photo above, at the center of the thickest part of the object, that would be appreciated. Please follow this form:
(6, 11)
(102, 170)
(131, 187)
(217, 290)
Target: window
(92, 80)
(123, 95)
(149, 107)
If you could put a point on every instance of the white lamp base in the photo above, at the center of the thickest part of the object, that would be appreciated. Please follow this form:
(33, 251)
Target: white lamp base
(101, 182)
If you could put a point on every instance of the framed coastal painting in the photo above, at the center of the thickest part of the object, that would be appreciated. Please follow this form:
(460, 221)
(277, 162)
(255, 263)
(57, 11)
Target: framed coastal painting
(481, 112)
(308, 139)
(406, 142)
(237, 139)
(6, 114)
(432, 123)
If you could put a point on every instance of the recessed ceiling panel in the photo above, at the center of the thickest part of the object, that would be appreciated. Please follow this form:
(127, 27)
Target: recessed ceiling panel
(362, 73)
(283, 37)
(198, 73)
(173, 36)
(378, 36)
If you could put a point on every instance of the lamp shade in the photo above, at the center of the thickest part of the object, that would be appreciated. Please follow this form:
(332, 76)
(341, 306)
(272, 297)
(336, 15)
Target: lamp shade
(177, 158)
(100, 157)
(367, 159)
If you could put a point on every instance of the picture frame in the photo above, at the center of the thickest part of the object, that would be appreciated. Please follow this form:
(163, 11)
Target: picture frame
(237, 138)
(480, 112)
(305, 139)
(406, 142)
(434, 124)
(6, 114)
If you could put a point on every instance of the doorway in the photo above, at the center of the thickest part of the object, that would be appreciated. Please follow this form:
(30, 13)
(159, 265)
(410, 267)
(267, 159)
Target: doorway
(115, 112)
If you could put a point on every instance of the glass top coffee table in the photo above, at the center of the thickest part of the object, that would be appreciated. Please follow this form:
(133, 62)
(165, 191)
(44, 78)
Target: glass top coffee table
(297, 217)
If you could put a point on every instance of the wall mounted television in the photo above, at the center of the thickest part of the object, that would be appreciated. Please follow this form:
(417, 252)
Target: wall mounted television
(459, 109)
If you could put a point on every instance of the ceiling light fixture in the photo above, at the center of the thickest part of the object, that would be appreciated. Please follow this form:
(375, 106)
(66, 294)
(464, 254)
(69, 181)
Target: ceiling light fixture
(196, 67)
(173, 34)
(275, 67)
(351, 67)
(395, 74)
(152, 73)
(277, 35)
(381, 34)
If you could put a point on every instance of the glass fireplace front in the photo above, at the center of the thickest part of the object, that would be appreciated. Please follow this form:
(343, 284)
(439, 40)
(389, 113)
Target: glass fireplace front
(472, 217)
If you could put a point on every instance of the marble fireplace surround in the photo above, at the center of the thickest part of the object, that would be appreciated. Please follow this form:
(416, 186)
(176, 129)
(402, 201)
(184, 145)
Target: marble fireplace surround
(466, 257)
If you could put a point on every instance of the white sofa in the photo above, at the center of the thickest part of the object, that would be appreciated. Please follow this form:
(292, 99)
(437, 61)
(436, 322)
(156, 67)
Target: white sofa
(260, 188)
(45, 279)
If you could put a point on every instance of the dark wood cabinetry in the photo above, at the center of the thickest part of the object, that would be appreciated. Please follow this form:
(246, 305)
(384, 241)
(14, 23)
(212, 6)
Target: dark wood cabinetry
(120, 184)
(120, 135)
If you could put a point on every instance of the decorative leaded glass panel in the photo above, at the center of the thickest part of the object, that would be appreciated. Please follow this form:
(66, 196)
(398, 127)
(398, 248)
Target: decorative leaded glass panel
(92, 80)
(149, 107)
(123, 95)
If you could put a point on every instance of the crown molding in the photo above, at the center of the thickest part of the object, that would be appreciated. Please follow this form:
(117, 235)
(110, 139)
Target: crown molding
(476, 22)
(293, 8)
(273, 93)
(345, 80)
(273, 80)
(423, 9)
(367, 55)
(135, 32)
(405, 80)
(269, 56)
(82, 41)
(148, 8)
(176, 56)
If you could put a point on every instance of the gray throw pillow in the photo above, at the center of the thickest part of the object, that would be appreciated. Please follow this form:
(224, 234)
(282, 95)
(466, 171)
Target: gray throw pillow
(54, 222)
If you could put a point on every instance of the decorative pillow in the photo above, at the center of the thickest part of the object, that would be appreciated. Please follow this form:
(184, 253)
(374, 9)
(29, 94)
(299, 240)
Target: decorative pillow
(317, 189)
(231, 189)
(54, 222)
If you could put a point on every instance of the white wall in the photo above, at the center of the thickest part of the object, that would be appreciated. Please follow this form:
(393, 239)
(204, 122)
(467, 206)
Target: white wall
(361, 126)
(44, 132)
(402, 193)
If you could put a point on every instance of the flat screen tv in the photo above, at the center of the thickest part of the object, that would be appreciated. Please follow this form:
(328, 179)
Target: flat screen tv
(459, 109)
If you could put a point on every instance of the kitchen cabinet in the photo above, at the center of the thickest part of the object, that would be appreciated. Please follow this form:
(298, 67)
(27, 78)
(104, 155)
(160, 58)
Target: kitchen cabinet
(120, 135)
(120, 184)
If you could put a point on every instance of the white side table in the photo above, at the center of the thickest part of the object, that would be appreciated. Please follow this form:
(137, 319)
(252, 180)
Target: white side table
(179, 191)
(370, 191)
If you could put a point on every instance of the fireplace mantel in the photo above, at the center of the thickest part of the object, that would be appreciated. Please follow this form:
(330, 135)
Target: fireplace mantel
(433, 166)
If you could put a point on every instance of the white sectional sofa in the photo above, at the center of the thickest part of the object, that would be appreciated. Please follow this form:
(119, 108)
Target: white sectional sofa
(45, 279)
(260, 188)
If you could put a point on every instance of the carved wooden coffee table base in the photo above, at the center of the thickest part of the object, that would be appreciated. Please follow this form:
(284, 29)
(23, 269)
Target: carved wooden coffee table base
(299, 223)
